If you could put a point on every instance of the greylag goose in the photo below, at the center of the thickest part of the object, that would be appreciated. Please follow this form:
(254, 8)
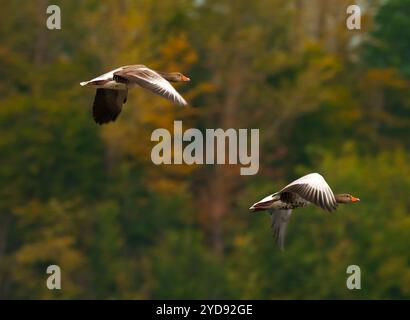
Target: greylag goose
(112, 88)
(311, 188)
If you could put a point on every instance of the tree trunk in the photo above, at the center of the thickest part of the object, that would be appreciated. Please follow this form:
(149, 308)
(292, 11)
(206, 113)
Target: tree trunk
(224, 178)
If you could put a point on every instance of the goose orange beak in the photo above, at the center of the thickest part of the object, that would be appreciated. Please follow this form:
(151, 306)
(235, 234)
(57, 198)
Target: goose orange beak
(354, 199)
(185, 78)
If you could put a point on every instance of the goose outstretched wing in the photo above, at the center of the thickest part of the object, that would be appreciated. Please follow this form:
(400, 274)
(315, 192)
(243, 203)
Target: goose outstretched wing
(313, 188)
(151, 80)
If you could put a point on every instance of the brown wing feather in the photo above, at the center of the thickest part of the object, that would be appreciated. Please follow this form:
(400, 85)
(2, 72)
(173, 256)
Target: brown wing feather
(312, 195)
(150, 80)
(280, 219)
(108, 104)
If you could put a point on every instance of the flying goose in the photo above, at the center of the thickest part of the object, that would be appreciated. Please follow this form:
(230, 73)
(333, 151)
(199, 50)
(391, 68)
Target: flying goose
(311, 188)
(112, 89)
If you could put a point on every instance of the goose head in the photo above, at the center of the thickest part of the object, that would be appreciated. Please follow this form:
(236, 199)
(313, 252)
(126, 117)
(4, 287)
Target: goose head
(174, 76)
(345, 198)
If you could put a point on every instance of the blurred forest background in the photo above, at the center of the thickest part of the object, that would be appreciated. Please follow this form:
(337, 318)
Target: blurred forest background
(89, 199)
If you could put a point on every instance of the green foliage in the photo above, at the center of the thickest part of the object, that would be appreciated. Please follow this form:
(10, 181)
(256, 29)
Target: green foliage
(89, 199)
(390, 45)
(182, 258)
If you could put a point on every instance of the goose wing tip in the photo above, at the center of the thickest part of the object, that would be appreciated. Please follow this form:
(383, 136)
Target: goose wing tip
(182, 102)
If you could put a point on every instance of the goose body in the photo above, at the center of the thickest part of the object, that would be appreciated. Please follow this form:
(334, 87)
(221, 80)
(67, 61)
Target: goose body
(106, 81)
(112, 88)
(311, 188)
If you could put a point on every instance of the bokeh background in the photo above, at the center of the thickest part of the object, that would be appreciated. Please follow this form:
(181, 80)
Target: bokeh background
(89, 199)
